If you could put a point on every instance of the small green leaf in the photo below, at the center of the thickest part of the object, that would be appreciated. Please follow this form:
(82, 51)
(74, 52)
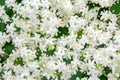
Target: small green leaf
(17, 29)
(9, 11)
(79, 34)
(19, 61)
(92, 5)
(115, 8)
(38, 53)
(50, 52)
(62, 31)
(82, 58)
(107, 70)
(103, 77)
(79, 14)
(18, 1)
(8, 47)
(79, 74)
(43, 78)
(57, 73)
(2, 27)
(101, 46)
(2, 2)
(67, 60)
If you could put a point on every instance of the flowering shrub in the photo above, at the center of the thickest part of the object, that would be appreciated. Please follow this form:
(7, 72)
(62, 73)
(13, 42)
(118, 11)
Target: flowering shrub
(59, 40)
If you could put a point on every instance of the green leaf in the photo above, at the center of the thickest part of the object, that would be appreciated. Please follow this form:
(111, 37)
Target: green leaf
(79, 74)
(82, 58)
(38, 53)
(62, 31)
(79, 14)
(58, 74)
(1, 74)
(2, 27)
(8, 47)
(19, 61)
(9, 11)
(92, 5)
(18, 1)
(2, 2)
(103, 77)
(44, 78)
(50, 52)
(115, 8)
(17, 29)
(79, 34)
(101, 46)
(67, 60)
(107, 70)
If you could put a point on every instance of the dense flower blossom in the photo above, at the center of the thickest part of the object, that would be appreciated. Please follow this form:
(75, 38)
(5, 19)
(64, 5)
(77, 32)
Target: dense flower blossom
(59, 39)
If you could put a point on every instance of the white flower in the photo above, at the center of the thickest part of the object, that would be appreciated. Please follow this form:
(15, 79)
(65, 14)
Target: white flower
(3, 14)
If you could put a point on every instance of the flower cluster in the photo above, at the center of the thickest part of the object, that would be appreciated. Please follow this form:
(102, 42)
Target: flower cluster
(59, 40)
